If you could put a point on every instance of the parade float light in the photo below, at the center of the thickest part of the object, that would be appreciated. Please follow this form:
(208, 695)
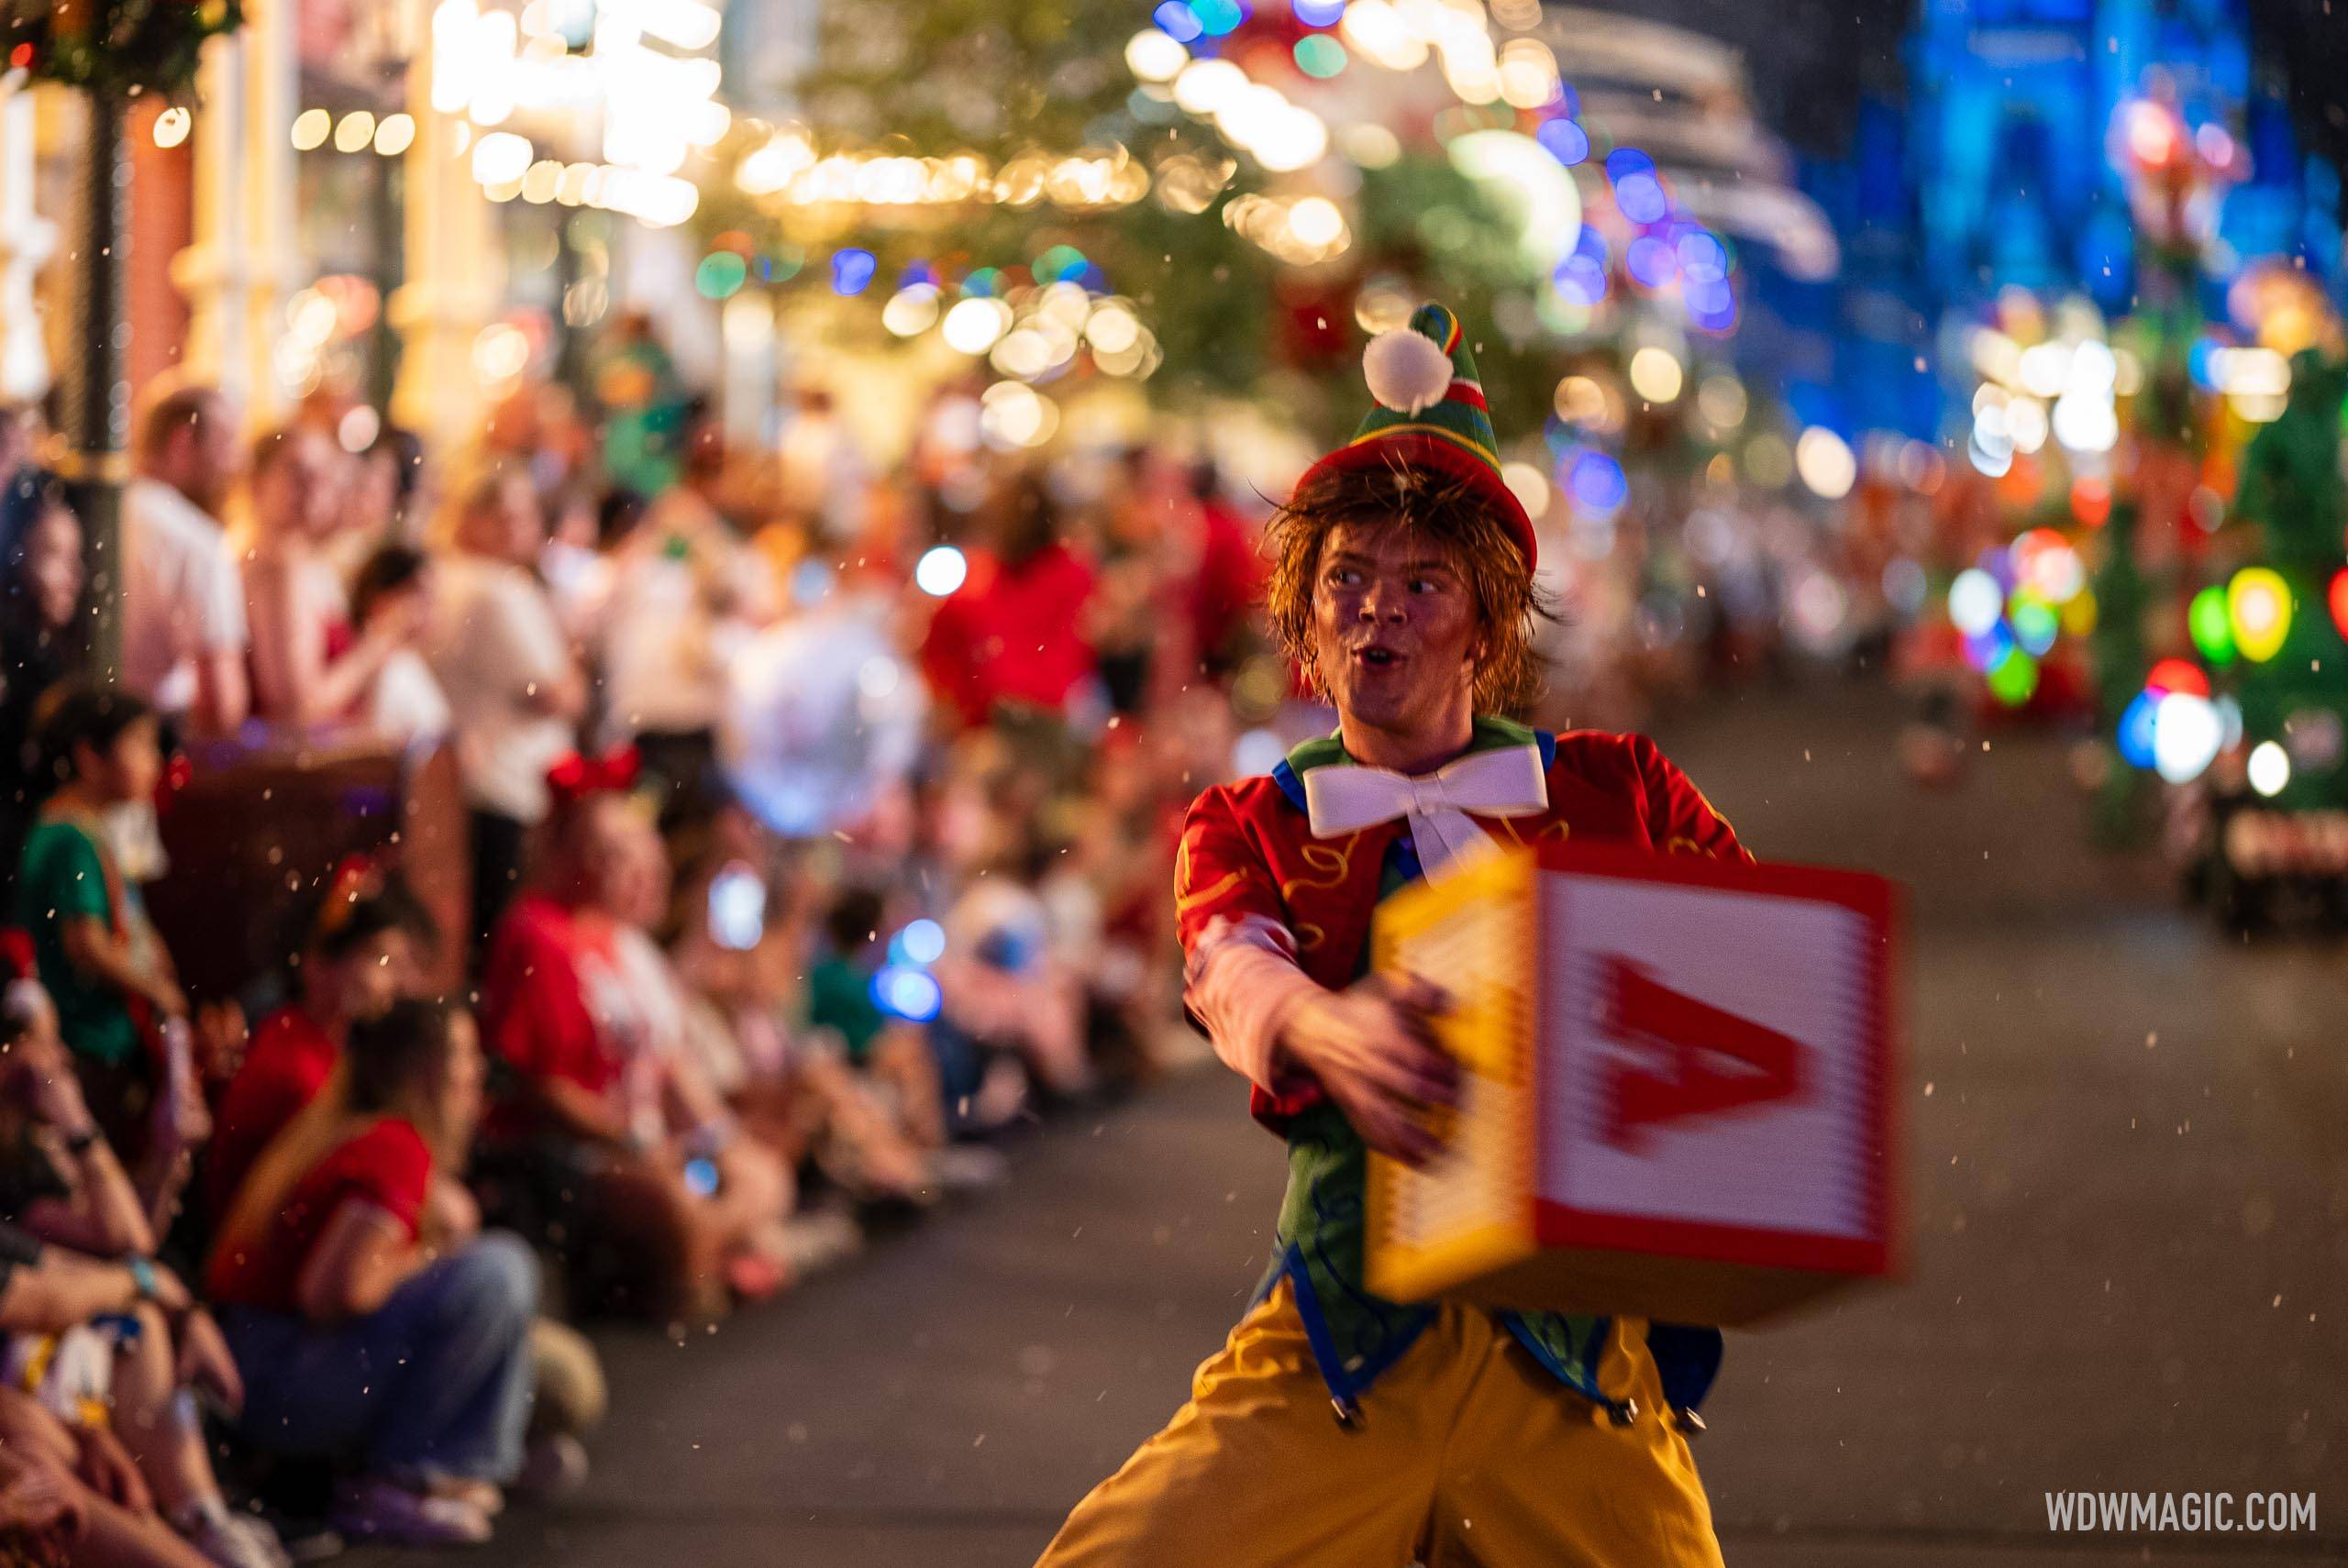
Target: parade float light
(1178, 21)
(1656, 375)
(2013, 680)
(720, 275)
(2269, 769)
(2137, 721)
(1217, 18)
(2026, 424)
(1564, 140)
(2176, 677)
(2258, 610)
(2035, 626)
(976, 324)
(941, 570)
(2186, 736)
(2211, 626)
(1988, 650)
(1975, 602)
(911, 310)
(1112, 329)
(1825, 463)
(1154, 55)
(1319, 56)
(1720, 400)
(852, 272)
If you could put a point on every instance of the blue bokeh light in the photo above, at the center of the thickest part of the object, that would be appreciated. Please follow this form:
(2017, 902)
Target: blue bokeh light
(1565, 140)
(1178, 21)
(1597, 482)
(903, 991)
(2136, 729)
(852, 272)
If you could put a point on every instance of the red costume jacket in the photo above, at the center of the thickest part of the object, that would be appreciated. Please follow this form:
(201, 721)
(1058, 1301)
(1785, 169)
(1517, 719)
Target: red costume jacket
(1248, 854)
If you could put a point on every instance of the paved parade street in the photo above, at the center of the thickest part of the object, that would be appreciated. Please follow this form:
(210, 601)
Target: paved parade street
(2128, 1164)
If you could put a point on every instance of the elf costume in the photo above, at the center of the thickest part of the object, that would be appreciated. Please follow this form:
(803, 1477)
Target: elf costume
(1335, 1427)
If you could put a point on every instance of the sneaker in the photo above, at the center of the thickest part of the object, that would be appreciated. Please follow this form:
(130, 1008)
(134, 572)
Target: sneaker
(555, 1466)
(375, 1509)
(815, 1240)
(233, 1539)
(968, 1167)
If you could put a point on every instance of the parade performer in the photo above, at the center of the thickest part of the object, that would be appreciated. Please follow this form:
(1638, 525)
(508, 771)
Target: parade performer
(1334, 1427)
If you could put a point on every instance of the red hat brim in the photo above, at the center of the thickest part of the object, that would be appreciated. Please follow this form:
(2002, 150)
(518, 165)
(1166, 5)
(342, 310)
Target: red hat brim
(1417, 449)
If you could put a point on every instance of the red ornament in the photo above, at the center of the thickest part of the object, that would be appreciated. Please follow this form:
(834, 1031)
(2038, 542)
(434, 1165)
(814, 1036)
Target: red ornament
(2340, 599)
(2176, 677)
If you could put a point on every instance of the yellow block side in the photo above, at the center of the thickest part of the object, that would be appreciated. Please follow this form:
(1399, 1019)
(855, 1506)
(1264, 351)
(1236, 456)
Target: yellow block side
(1471, 1211)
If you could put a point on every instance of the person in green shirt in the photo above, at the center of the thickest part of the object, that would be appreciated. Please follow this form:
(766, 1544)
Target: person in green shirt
(118, 998)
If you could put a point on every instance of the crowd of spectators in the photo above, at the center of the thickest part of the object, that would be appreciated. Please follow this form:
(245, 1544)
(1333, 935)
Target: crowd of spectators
(807, 865)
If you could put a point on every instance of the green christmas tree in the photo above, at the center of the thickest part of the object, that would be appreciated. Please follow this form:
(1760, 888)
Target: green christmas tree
(2292, 493)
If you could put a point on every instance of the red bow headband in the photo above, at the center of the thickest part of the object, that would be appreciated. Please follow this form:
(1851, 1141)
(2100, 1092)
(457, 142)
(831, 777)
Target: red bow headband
(576, 778)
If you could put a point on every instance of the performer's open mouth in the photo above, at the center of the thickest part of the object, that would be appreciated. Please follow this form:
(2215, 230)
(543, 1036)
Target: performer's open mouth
(1377, 658)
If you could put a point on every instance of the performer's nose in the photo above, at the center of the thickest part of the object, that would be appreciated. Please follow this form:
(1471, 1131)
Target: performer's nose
(1381, 603)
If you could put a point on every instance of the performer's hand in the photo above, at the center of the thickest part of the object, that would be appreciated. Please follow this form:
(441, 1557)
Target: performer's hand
(1373, 1049)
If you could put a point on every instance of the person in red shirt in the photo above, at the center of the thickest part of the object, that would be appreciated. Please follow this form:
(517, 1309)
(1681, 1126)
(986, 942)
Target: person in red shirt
(363, 946)
(590, 1137)
(1014, 633)
(359, 1330)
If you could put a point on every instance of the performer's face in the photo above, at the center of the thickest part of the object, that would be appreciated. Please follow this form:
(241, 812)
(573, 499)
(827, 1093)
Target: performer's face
(1396, 633)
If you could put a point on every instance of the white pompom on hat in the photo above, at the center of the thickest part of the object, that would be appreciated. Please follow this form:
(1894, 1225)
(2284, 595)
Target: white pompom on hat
(1407, 370)
(1429, 417)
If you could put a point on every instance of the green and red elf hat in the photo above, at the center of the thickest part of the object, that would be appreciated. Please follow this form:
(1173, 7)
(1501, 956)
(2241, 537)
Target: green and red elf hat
(1430, 414)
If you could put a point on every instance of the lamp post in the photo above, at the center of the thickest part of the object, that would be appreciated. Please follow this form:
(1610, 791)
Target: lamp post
(110, 51)
(98, 396)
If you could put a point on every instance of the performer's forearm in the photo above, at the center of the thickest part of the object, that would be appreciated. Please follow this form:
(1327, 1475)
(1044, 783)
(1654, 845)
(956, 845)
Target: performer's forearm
(1246, 995)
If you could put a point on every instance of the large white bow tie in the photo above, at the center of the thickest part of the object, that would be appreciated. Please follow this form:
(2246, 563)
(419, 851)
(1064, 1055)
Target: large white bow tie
(1507, 782)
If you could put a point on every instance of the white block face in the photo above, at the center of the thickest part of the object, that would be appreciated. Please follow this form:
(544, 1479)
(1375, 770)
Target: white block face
(1705, 1056)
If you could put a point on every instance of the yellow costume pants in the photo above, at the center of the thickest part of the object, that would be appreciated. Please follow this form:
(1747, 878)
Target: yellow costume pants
(1467, 1454)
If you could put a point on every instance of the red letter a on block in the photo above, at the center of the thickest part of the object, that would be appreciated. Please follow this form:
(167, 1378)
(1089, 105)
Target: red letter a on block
(1711, 1061)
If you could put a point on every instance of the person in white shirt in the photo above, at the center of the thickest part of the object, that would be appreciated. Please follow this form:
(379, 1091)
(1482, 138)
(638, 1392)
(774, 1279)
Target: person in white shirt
(513, 685)
(184, 636)
(311, 663)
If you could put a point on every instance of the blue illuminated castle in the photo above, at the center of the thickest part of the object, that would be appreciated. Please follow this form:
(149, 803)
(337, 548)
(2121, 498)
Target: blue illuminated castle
(2021, 141)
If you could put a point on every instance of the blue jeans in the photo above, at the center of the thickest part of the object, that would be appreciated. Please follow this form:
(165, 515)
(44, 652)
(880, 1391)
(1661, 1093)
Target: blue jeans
(435, 1381)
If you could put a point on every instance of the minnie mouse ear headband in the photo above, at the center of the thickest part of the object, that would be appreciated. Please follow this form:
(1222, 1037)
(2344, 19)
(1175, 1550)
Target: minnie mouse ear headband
(576, 778)
(354, 877)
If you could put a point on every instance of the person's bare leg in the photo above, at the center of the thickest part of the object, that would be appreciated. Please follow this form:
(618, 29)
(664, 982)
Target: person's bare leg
(646, 1213)
(115, 1537)
(156, 1424)
(902, 1059)
(880, 1156)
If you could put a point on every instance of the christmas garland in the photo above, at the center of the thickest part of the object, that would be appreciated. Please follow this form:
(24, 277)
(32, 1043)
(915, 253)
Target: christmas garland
(116, 45)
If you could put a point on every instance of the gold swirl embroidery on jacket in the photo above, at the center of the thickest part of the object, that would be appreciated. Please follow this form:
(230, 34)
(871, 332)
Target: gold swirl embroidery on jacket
(1333, 865)
(1187, 898)
(1558, 829)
